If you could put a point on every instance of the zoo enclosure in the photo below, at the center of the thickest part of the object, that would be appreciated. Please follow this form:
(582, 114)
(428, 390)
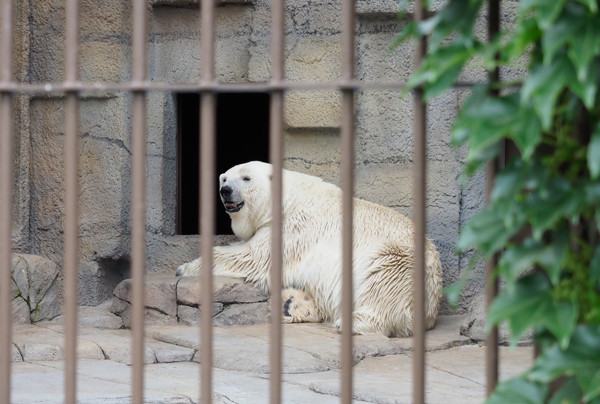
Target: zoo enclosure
(208, 88)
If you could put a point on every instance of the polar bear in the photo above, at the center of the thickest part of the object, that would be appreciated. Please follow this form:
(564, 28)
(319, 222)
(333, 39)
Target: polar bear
(311, 271)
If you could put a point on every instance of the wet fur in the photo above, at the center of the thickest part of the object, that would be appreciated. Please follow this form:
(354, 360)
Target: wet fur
(383, 251)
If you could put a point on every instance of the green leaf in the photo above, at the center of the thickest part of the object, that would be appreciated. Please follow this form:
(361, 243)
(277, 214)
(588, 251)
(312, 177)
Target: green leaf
(520, 391)
(561, 318)
(509, 181)
(591, 386)
(520, 258)
(558, 35)
(581, 359)
(486, 118)
(486, 231)
(542, 87)
(585, 42)
(545, 11)
(523, 306)
(586, 91)
(527, 132)
(592, 5)
(555, 199)
(440, 70)
(595, 266)
(526, 33)
(457, 16)
(593, 154)
(592, 193)
(569, 393)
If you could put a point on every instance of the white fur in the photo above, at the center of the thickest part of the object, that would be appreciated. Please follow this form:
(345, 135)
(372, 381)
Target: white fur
(383, 250)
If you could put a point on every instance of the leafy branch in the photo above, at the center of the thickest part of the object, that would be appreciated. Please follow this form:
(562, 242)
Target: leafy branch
(544, 213)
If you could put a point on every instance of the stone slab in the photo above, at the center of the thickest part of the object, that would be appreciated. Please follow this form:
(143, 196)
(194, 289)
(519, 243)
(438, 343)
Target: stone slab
(95, 317)
(311, 368)
(37, 343)
(455, 375)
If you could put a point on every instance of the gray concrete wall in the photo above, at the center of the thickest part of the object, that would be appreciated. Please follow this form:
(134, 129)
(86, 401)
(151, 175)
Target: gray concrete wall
(383, 124)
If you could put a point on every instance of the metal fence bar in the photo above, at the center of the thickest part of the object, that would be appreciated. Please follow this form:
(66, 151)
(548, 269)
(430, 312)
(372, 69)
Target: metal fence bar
(347, 174)
(419, 209)
(71, 226)
(96, 87)
(207, 187)
(208, 87)
(276, 158)
(491, 289)
(138, 206)
(6, 196)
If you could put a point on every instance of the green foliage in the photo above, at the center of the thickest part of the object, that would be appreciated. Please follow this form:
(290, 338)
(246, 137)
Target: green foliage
(544, 212)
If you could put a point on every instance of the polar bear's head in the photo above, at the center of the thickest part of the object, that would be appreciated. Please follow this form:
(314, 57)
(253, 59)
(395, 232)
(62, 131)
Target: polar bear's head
(245, 191)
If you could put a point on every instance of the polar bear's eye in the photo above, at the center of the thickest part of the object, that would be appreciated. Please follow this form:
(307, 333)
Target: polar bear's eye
(246, 178)
(223, 179)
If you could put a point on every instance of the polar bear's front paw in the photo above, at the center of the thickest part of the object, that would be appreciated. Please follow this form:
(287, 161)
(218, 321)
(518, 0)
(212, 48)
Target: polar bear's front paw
(299, 307)
(189, 269)
(338, 325)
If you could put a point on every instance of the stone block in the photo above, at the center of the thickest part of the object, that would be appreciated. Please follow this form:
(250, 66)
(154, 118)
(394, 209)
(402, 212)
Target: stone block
(160, 293)
(35, 289)
(122, 309)
(15, 355)
(226, 290)
(116, 345)
(167, 253)
(312, 109)
(99, 317)
(20, 311)
(243, 314)
(102, 61)
(314, 59)
(190, 315)
(168, 353)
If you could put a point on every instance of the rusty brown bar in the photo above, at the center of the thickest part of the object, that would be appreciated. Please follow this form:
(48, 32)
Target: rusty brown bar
(419, 209)
(347, 172)
(207, 187)
(6, 161)
(276, 158)
(71, 227)
(95, 87)
(491, 290)
(138, 205)
(6, 195)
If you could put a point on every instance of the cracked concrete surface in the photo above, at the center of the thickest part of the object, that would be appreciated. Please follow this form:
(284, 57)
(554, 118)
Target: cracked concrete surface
(311, 367)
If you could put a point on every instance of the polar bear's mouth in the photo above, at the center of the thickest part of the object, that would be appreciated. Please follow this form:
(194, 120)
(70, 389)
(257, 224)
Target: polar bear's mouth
(232, 207)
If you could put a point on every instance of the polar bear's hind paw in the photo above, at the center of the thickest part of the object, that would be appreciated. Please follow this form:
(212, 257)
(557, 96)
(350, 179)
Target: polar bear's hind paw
(298, 307)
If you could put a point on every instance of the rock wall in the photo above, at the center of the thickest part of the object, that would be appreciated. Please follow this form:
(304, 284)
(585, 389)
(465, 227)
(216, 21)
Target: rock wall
(384, 129)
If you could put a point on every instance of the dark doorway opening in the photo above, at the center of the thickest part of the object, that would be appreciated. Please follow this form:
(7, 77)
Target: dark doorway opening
(242, 135)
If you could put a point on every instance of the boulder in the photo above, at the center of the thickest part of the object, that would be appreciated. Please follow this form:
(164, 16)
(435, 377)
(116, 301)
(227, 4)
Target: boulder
(36, 290)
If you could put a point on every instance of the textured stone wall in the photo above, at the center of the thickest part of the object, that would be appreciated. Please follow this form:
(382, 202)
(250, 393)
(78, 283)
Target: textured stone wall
(384, 129)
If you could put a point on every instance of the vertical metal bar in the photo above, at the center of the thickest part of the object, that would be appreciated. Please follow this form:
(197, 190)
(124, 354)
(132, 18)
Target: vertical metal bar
(347, 168)
(420, 177)
(138, 205)
(276, 157)
(207, 201)
(6, 197)
(491, 290)
(71, 198)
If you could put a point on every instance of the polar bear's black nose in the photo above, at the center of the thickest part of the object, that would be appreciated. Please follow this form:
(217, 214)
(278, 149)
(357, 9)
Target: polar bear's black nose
(226, 191)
